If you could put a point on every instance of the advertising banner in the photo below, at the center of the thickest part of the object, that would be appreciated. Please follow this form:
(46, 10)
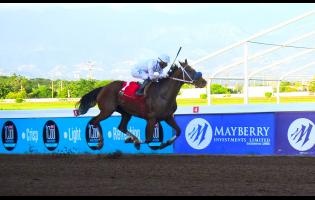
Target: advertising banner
(295, 133)
(73, 135)
(226, 134)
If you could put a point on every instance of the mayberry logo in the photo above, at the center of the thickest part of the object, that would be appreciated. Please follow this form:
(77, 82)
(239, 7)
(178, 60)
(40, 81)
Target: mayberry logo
(51, 135)
(94, 136)
(9, 135)
(198, 133)
(301, 134)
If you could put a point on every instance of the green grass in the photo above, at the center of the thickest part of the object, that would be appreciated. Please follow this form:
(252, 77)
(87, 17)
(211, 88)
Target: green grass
(180, 102)
(33, 106)
(252, 100)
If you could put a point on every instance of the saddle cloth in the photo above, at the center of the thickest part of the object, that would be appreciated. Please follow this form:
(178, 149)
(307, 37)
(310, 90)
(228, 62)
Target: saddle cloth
(128, 94)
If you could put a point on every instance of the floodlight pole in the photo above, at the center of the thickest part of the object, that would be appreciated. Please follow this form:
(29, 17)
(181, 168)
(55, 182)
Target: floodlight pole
(278, 91)
(52, 88)
(209, 91)
(245, 88)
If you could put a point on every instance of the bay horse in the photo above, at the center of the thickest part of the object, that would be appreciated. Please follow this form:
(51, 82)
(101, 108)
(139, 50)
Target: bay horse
(159, 102)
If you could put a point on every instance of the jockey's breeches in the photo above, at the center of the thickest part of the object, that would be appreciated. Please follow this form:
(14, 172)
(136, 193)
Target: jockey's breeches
(140, 74)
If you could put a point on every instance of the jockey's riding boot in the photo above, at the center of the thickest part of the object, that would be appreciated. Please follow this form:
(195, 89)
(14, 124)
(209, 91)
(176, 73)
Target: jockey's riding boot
(140, 91)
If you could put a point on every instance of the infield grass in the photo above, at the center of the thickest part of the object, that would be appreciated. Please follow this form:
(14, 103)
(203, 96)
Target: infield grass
(180, 102)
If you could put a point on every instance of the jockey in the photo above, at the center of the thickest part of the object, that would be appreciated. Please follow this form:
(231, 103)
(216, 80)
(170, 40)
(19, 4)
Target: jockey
(150, 70)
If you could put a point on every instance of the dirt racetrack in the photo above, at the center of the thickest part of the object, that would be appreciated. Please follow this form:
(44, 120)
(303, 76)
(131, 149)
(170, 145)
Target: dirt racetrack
(156, 175)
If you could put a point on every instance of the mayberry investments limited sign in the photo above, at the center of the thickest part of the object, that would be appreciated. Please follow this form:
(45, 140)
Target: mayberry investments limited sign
(226, 134)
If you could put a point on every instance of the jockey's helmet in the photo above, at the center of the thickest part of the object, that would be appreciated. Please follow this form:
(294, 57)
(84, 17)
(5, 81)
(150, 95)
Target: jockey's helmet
(165, 58)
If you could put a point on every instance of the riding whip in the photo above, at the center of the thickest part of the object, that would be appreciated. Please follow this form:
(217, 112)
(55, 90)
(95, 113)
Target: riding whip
(180, 48)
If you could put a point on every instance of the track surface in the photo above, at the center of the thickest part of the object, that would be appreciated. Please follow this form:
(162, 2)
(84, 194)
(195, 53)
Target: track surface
(156, 175)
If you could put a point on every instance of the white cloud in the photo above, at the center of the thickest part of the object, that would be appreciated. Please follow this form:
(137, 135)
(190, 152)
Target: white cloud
(120, 71)
(165, 7)
(59, 72)
(125, 63)
(119, 6)
(38, 49)
(83, 69)
(26, 68)
(3, 73)
(34, 7)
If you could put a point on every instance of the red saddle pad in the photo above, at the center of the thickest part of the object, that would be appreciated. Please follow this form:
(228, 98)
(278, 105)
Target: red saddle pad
(128, 94)
(130, 88)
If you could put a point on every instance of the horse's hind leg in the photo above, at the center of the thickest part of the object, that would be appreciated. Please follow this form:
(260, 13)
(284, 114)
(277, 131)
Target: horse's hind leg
(96, 120)
(101, 116)
(107, 105)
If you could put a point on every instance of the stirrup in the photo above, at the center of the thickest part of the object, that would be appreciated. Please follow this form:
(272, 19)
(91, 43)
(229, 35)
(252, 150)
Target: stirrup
(139, 93)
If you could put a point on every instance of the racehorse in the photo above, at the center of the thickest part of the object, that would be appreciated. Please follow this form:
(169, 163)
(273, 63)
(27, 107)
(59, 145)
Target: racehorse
(159, 102)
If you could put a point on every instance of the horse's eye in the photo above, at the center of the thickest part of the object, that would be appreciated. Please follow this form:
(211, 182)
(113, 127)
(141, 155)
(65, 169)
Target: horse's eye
(189, 70)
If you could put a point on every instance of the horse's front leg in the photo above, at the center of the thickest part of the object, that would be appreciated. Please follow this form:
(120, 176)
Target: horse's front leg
(125, 118)
(171, 121)
(150, 130)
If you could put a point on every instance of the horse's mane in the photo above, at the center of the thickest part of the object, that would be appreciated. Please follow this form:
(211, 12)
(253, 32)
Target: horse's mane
(172, 70)
(170, 73)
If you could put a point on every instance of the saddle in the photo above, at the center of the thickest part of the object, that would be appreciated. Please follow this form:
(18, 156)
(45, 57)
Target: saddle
(128, 94)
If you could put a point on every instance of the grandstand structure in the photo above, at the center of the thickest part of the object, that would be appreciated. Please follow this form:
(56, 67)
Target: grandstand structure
(284, 52)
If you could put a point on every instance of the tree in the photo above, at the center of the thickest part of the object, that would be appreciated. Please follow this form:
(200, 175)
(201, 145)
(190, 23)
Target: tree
(81, 87)
(218, 89)
(102, 83)
(42, 91)
(4, 89)
(286, 86)
(311, 86)
(16, 85)
(17, 95)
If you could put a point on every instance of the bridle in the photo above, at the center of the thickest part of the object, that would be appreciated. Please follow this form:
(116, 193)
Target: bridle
(190, 80)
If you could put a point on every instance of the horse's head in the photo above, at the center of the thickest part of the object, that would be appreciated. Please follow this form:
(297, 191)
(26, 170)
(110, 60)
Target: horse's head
(187, 74)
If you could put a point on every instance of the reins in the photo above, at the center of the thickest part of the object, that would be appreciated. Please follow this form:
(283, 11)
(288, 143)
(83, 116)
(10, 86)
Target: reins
(183, 79)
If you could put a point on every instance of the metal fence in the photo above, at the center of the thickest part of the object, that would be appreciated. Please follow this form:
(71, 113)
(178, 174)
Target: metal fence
(283, 52)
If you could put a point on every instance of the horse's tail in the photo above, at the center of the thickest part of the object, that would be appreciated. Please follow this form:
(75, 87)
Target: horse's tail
(88, 101)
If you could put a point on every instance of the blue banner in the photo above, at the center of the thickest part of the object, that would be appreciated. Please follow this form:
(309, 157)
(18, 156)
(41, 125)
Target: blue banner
(73, 135)
(226, 134)
(295, 133)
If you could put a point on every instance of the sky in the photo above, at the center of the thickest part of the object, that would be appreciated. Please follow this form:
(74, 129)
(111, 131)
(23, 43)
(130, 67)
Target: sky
(57, 41)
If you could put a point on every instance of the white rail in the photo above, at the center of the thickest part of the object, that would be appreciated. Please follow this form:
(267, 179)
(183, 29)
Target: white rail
(264, 32)
(246, 57)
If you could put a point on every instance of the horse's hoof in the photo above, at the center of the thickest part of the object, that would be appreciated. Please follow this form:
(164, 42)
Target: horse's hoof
(99, 146)
(163, 145)
(129, 140)
(137, 145)
(155, 147)
(100, 142)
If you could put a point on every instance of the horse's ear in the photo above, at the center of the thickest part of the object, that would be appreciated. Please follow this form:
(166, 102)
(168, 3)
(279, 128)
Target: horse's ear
(181, 63)
(186, 61)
